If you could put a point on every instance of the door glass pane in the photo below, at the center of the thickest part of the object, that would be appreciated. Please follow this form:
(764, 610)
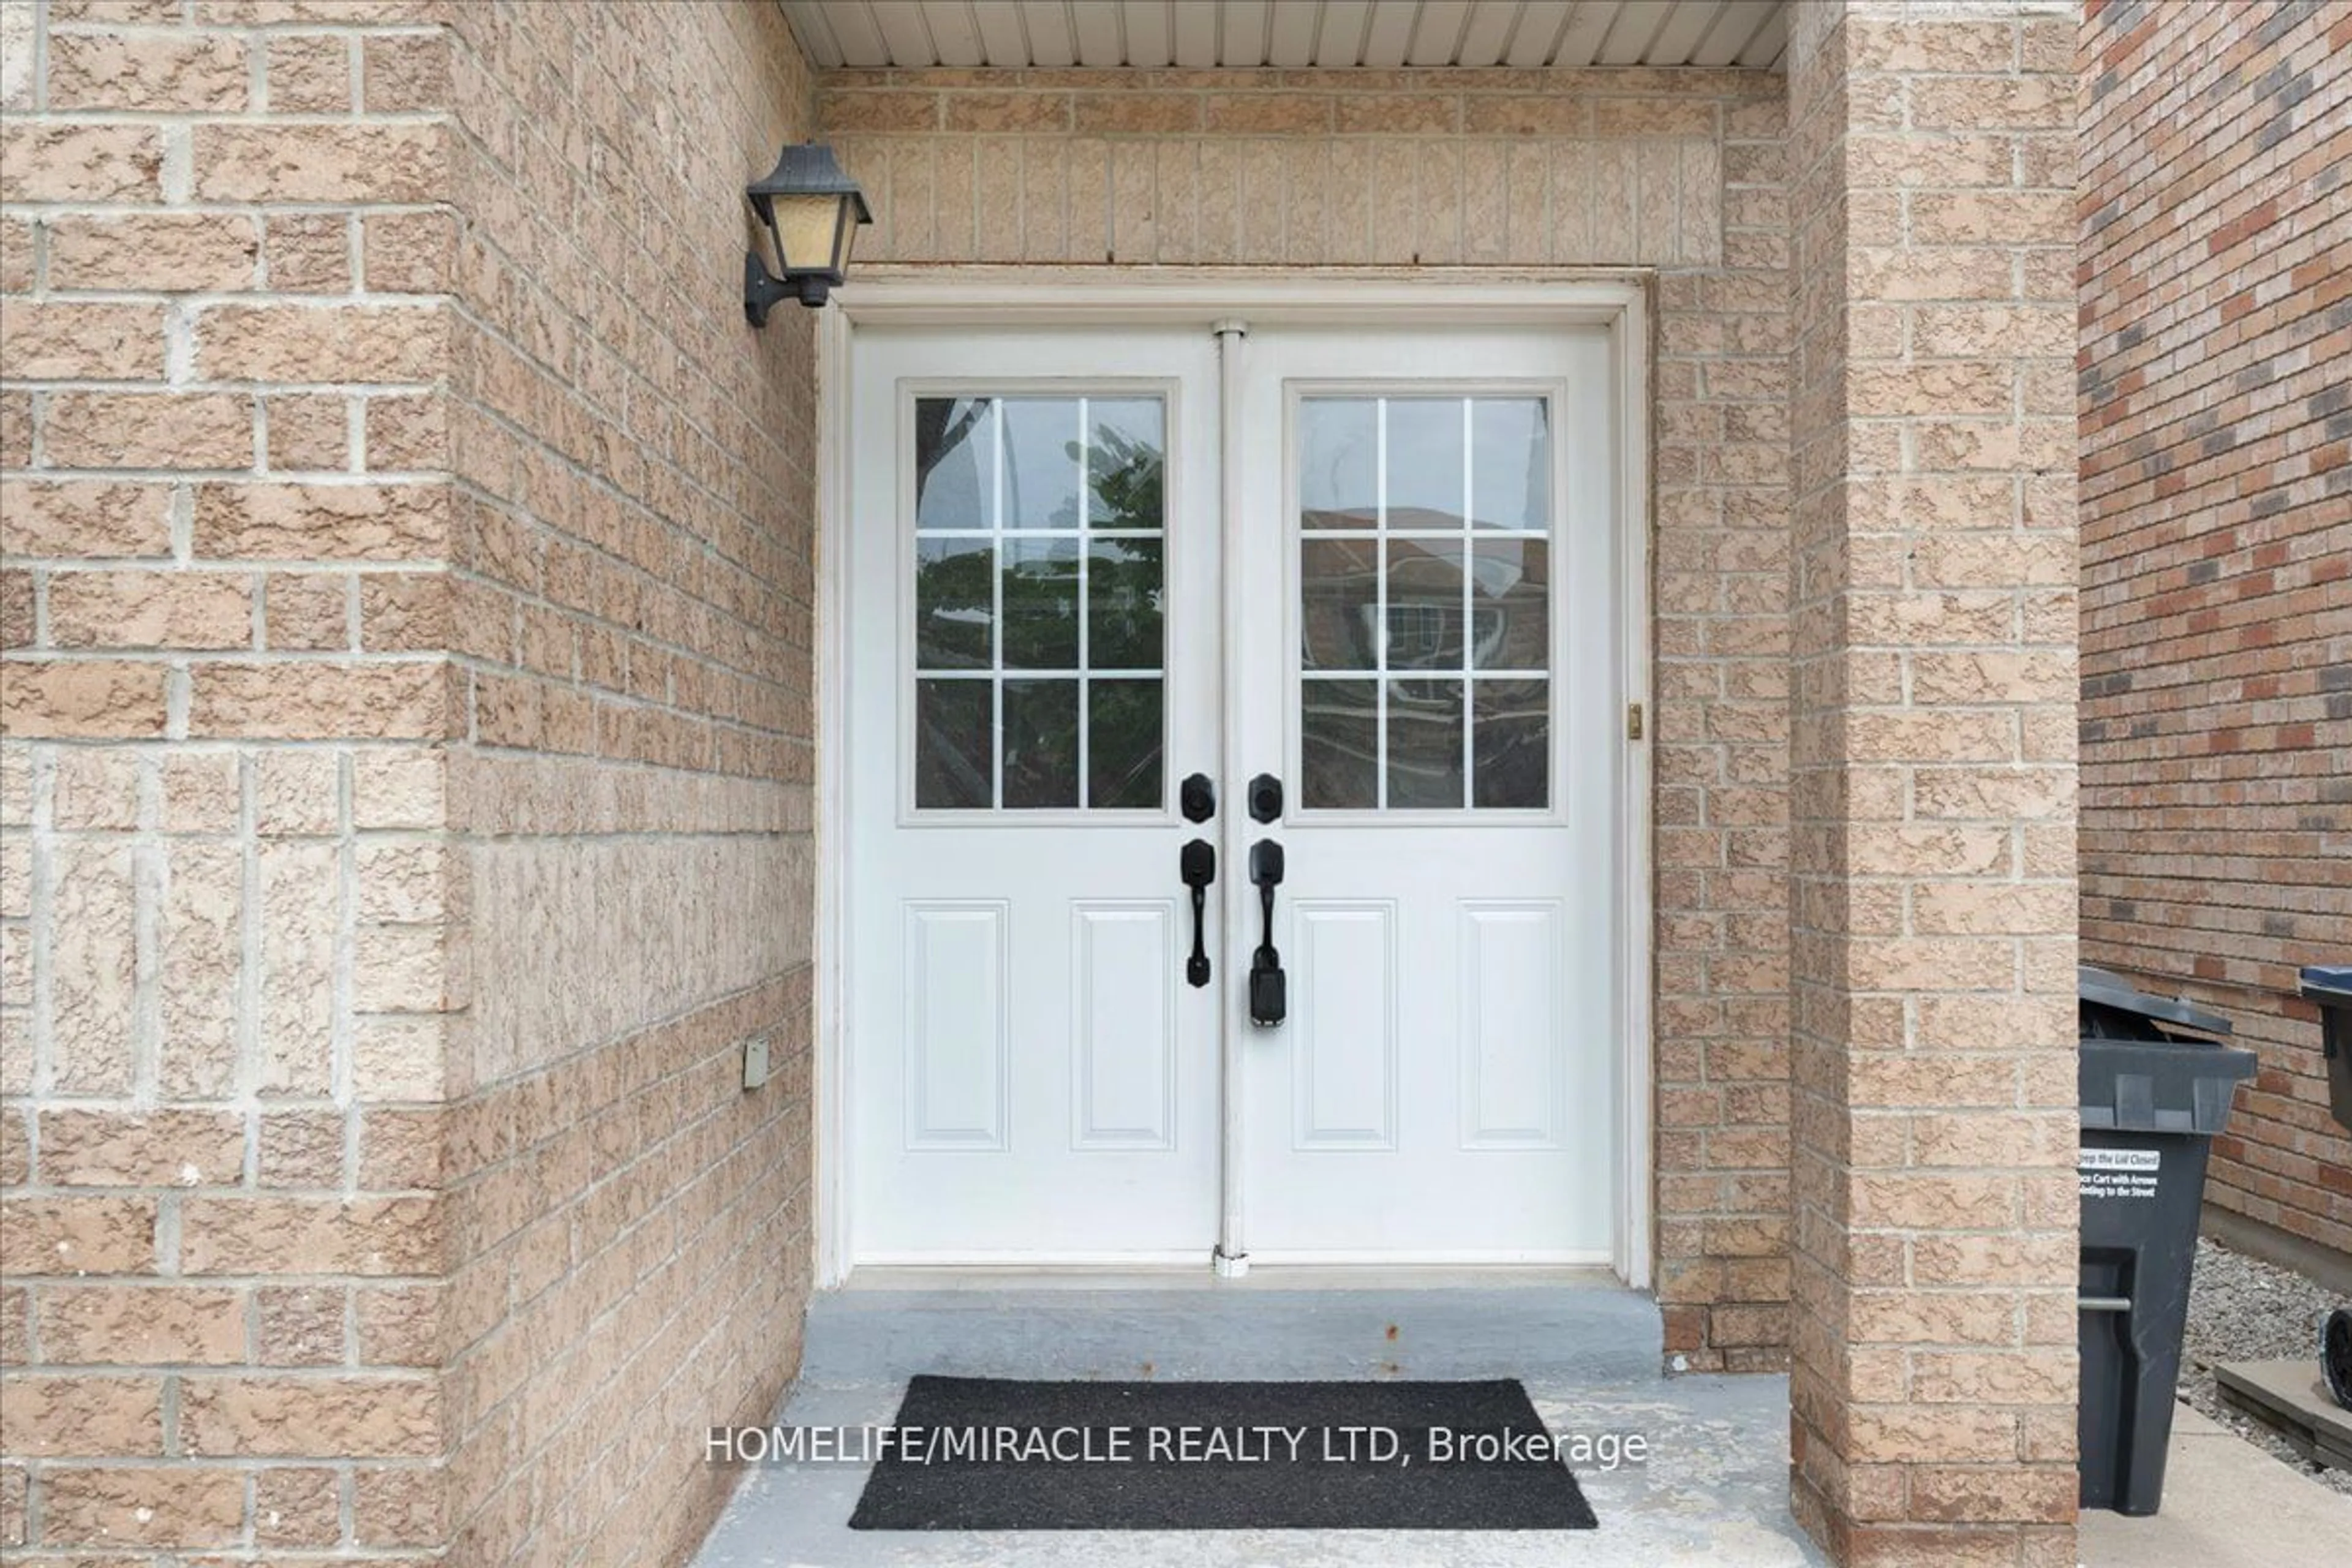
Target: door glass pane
(1338, 462)
(1512, 743)
(1125, 608)
(1425, 462)
(1039, 561)
(955, 737)
(1425, 732)
(1340, 603)
(1448, 590)
(1123, 743)
(1040, 742)
(955, 462)
(1041, 603)
(1126, 463)
(1510, 604)
(1339, 722)
(954, 608)
(1510, 455)
(1042, 454)
(1424, 614)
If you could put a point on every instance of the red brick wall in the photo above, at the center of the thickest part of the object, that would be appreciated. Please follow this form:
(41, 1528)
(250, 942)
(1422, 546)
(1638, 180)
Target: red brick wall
(2216, 353)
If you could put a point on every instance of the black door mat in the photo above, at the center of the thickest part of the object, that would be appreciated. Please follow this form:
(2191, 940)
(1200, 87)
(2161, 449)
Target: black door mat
(977, 1453)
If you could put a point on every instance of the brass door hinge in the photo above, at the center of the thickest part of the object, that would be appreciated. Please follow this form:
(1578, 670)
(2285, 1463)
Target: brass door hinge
(1634, 721)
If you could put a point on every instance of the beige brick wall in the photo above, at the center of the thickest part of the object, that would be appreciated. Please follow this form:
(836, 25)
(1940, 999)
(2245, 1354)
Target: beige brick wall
(630, 1229)
(405, 773)
(1933, 758)
(224, 986)
(2216, 551)
(1678, 171)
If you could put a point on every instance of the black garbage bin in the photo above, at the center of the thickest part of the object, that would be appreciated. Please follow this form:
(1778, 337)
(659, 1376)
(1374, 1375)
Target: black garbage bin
(2330, 985)
(2153, 1094)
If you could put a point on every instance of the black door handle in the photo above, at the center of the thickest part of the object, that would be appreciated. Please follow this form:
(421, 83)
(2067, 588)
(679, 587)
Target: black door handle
(1269, 989)
(1198, 867)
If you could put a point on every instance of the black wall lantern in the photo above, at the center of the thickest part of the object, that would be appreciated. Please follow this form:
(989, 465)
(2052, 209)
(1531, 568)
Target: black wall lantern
(810, 210)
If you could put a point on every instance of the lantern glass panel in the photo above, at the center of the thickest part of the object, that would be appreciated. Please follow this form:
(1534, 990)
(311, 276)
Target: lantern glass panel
(846, 236)
(804, 230)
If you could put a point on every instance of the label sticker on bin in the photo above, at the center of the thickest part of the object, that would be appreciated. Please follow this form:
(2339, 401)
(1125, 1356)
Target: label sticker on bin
(2118, 1173)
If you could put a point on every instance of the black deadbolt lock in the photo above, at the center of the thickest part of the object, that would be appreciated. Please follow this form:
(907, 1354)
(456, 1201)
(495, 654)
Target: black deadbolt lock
(1196, 797)
(1264, 798)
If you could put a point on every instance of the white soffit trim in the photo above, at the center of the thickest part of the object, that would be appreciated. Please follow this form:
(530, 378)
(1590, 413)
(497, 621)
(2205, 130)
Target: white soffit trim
(1289, 33)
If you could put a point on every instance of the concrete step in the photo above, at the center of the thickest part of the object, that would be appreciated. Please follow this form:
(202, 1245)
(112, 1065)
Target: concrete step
(1577, 1328)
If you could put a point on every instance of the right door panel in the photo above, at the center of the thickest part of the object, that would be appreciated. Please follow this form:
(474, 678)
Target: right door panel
(1429, 661)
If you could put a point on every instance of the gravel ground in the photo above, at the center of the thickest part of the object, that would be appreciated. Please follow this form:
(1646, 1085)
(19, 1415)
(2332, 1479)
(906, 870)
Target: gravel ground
(2241, 1309)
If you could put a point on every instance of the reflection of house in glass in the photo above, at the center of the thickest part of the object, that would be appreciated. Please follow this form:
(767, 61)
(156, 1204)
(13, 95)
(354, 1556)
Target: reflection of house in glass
(1458, 614)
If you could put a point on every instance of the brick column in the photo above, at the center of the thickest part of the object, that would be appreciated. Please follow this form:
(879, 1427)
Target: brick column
(1933, 889)
(224, 995)
(407, 577)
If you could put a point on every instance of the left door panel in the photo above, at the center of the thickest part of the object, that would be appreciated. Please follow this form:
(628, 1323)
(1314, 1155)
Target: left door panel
(1031, 674)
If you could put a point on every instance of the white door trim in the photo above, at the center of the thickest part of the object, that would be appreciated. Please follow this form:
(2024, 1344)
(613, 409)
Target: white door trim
(997, 296)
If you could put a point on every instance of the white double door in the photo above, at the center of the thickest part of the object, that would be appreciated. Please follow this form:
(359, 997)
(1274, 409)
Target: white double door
(1080, 589)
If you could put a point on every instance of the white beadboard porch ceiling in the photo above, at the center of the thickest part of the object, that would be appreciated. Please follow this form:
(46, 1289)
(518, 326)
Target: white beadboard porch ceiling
(1293, 34)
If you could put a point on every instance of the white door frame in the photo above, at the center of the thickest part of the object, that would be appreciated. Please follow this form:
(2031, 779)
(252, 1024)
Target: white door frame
(984, 297)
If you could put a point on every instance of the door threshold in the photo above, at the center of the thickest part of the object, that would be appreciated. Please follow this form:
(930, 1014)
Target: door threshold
(901, 1277)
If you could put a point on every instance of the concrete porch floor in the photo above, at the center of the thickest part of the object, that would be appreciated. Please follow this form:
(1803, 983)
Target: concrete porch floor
(1714, 1489)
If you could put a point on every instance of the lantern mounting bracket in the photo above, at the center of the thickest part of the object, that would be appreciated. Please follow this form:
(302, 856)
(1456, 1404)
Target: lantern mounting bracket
(763, 293)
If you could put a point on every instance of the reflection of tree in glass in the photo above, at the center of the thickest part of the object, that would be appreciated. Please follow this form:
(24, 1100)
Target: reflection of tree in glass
(953, 600)
(1128, 476)
(941, 425)
(1041, 743)
(954, 735)
(1125, 758)
(1125, 613)
(958, 595)
(1041, 605)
